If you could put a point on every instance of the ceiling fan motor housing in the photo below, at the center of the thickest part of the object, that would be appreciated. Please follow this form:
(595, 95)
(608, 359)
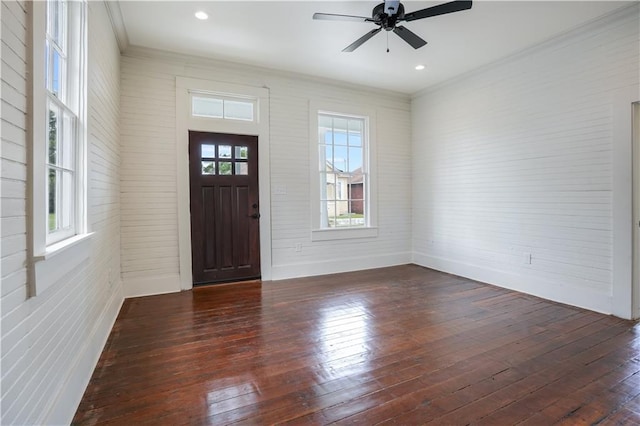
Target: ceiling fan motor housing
(386, 20)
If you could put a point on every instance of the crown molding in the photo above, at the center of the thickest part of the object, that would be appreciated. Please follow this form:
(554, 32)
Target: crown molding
(117, 23)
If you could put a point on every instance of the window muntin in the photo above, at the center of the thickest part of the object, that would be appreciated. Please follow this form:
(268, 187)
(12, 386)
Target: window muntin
(343, 171)
(63, 80)
(207, 106)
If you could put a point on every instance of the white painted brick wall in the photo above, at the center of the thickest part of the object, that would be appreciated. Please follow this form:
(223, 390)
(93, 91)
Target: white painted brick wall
(50, 343)
(516, 159)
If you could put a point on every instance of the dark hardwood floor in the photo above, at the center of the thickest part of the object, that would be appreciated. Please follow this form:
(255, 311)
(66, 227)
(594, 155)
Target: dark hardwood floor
(402, 345)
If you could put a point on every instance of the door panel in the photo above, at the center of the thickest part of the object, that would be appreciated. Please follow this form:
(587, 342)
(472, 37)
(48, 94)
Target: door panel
(225, 233)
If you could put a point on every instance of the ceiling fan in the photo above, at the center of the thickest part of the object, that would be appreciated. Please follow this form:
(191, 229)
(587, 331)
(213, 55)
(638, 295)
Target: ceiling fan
(387, 15)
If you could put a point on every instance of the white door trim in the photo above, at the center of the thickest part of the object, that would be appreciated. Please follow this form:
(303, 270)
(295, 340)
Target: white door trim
(260, 128)
(636, 210)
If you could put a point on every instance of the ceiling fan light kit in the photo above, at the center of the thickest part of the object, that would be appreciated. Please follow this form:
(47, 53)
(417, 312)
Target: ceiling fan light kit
(387, 15)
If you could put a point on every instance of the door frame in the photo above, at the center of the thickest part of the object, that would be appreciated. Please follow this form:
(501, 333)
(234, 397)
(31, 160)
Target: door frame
(636, 209)
(260, 128)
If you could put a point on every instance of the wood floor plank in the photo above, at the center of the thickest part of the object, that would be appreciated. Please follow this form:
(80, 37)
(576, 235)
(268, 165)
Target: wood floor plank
(401, 345)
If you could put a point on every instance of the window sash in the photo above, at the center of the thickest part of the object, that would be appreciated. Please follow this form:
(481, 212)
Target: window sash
(342, 136)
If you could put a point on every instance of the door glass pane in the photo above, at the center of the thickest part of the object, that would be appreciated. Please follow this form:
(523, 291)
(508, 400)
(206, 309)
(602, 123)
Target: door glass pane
(238, 110)
(242, 152)
(225, 168)
(242, 169)
(208, 168)
(206, 107)
(208, 151)
(53, 134)
(224, 151)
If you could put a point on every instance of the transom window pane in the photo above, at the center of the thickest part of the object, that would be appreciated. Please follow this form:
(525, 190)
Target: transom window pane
(342, 171)
(207, 107)
(238, 110)
(228, 109)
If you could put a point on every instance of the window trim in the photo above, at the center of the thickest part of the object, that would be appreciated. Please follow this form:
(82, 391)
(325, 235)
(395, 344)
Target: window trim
(51, 258)
(370, 230)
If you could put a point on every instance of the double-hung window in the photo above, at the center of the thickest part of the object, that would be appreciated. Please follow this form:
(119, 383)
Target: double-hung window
(59, 137)
(58, 121)
(342, 181)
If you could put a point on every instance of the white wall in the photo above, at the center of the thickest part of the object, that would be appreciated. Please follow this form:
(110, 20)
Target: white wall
(531, 157)
(149, 209)
(50, 343)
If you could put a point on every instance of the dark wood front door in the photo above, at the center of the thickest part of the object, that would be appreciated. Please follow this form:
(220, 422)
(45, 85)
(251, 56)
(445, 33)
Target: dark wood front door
(225, 225)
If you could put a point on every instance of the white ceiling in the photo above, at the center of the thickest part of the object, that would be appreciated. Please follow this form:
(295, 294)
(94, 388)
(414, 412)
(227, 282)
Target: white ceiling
(282, 35)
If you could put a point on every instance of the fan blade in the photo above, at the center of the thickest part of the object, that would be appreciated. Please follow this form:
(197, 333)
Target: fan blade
(359, 42)
(335, 17)
(410, 37)
(441, 9)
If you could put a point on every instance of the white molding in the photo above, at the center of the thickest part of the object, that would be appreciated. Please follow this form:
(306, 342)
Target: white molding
(636, 205)
(578, 31)
(308, 269)
(569, 295)
(148, 286)
(260, 128)
(622, 205)
(117, 23)
(63, 408)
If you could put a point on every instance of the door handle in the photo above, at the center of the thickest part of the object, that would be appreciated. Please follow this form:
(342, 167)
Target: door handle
(256, 215)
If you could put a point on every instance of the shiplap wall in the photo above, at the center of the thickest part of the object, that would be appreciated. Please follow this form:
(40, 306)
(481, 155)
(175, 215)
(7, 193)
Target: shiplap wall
(50, 343)
(149, 210)
(513, 177)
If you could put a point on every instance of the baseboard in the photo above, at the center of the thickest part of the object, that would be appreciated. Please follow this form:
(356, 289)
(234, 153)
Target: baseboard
(308, 269)
(570, 295)
(81, 369)
(147, 286)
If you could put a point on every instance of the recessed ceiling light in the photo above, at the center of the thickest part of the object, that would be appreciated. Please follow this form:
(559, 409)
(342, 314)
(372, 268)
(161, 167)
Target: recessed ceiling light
(202, 15)
(419, 67)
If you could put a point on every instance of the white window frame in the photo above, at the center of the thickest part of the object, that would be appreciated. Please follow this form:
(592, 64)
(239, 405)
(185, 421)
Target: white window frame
(370, 230)
(224, 98)
(54, 256)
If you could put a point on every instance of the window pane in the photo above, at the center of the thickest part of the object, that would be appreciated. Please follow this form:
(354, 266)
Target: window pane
(224, 151)
(67, 200)
(242, 169)
(56, 73)
(340, 128)
(325, 122)
(340, 158)
(238, 110)
(342, 214)
(66, 146)
(53, 135)
(355, 160)
(328, 214)
(56, 20)
(225, 168)
(206, 107)
(242, 152)
(326, 158)
(51, 200)
(208, 168)
(208, 151)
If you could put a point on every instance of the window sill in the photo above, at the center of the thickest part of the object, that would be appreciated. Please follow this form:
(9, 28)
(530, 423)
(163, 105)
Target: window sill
(59, 259)
(343, 234)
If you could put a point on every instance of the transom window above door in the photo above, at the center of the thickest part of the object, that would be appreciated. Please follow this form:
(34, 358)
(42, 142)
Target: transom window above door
(222, 107)
(224, 159)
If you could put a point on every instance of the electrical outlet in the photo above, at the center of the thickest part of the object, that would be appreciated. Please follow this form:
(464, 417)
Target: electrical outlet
(298, 247)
